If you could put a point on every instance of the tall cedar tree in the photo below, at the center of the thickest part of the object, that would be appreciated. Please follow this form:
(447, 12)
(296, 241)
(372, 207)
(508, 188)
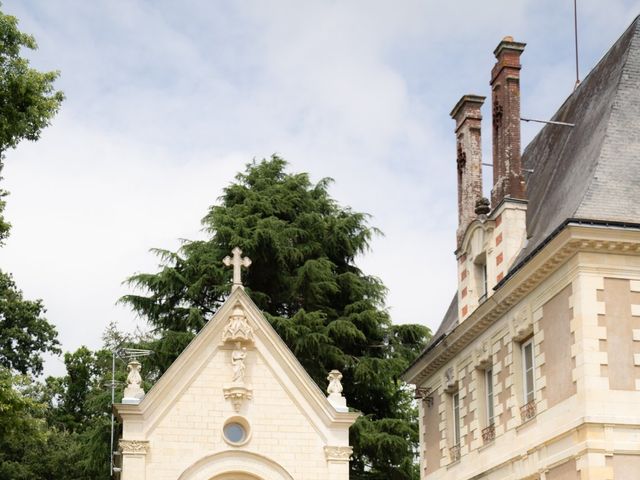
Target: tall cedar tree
(305, 280)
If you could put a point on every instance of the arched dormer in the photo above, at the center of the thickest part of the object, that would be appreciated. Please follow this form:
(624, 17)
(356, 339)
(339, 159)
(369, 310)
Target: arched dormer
(487, 250)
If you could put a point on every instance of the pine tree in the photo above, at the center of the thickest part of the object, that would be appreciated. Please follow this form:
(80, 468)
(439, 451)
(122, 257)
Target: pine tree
(304, 278)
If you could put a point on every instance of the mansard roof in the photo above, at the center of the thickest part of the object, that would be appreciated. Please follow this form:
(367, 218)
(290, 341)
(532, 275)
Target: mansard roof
(588, 173)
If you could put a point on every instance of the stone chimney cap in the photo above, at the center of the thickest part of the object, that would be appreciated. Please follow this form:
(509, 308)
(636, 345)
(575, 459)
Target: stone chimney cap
(470, 98)
(508, 43)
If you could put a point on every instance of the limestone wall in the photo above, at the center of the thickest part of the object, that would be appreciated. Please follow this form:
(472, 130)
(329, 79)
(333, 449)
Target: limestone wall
(584, 423)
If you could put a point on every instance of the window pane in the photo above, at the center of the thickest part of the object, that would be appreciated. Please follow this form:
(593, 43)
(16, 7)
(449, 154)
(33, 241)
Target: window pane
(528, 357)
(234, 432)
(528, 372)
(456, 419)
(529, 389)
(489, 390)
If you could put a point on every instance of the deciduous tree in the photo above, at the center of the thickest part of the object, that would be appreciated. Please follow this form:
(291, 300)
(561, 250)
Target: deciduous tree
(28, 101)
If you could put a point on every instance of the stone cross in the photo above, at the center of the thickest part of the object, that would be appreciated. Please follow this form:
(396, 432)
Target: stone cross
(238, 262)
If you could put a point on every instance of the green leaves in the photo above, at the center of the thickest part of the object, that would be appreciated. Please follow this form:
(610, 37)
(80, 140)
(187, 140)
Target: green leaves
(24, 333)
(28, 99)
(304, 278)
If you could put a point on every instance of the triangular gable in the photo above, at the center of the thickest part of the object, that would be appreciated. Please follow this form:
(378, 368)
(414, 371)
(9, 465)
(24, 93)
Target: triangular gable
(208, 343)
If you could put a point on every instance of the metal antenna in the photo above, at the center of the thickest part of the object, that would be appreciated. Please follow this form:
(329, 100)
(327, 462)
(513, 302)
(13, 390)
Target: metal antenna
(575, 29)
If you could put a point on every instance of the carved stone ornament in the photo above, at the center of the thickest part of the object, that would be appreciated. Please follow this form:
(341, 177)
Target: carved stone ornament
(237, 394)
(238, 328)
(335, 391)
(450, 381)
(237, 261)
(338, 454)
(133, 392)
(482, 355)
(522, 324)
(497, 115)
(134, 447)
(483, 206)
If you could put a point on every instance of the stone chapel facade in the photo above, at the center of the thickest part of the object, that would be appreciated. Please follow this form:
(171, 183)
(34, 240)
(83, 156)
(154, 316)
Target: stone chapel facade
(235, 405)
(534, 372)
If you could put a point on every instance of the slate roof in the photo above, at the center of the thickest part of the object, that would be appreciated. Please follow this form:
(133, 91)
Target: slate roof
(588, 172)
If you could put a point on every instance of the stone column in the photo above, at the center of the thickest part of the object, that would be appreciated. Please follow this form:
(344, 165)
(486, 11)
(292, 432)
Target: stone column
(338, 462)
(134, 459)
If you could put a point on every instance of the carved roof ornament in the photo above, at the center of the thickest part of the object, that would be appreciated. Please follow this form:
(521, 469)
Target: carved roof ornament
(497, 115)
(237, 261)
(133, 392)
(482, 206)
(462, 158)
(238, 328)
(334, 389)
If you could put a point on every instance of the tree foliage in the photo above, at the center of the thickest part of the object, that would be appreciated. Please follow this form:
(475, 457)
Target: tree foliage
(28, 101)
(304, 278)
(24, 333)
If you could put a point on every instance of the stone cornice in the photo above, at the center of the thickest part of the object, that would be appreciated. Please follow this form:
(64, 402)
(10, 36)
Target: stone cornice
(572, 239)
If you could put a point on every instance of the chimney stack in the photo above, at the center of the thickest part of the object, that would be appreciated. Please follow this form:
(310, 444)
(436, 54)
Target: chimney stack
(468, 119)
(505, 88)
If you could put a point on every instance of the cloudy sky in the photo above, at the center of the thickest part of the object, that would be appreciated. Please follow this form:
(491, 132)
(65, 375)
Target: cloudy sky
(167, 100)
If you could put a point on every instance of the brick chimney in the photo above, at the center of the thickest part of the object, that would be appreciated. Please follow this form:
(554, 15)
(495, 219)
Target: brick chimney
(505, 88)
(468, 118)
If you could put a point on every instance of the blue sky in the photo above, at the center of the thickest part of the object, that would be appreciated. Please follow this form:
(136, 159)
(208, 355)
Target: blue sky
(167, 100)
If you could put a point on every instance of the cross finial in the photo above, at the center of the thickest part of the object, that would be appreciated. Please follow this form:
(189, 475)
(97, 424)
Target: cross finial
(238, 262)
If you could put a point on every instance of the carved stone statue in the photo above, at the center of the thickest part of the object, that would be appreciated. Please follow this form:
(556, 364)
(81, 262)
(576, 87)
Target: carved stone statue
(237, 361)
(133, 392)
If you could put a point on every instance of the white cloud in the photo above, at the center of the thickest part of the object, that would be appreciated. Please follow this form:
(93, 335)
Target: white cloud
(167, 100)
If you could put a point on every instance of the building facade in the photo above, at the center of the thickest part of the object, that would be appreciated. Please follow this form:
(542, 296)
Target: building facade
(534, 372)
(235, 405)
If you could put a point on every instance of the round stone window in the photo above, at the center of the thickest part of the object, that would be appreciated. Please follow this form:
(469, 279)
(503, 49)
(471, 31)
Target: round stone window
(236, 431)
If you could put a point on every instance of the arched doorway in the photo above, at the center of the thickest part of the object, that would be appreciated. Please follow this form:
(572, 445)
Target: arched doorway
(235, 465)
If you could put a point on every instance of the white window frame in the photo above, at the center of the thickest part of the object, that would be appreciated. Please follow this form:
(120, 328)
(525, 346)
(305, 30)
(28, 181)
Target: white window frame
(528, 391)
(488, 386)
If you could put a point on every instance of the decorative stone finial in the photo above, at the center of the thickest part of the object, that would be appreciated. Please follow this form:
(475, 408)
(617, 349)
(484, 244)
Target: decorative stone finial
(482, 206)
(335, 391)
(238, 262)
(133, 392)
